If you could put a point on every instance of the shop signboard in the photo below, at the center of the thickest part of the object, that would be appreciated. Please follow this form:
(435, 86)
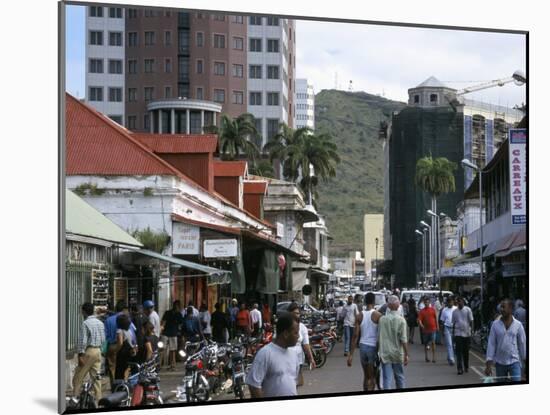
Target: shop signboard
(220, 248)
(462, 270)
(518, 175)
(185, 239)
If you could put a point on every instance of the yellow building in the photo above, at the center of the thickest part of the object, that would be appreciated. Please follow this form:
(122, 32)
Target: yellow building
(373, 227)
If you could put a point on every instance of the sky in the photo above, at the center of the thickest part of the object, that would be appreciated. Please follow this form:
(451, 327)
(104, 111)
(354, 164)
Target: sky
(384, 60)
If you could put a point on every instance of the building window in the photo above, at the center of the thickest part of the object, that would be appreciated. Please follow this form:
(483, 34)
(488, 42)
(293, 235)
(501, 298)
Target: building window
(238, 97)
(255, 45)
(167, 38)
(238, 43)
(219, 95)
(183, 90)
(199, 94)
(149, 38)
(132, 66)
(115, 12)
(132, 122)
(272, 71)
(219, 41)
(116, 118)
(272, 21)
(132, 94)
(132, 13)
(200, 39)
(433, 98)
(96, 37)
(96, 93)
(199, 65)
(115, 66)
(148, 93)
(149, 65)
(272, 128)
(289, 34)
(417, 99)
(168, 65)
(149, 13)
(272, 98)
(167, 13)
(259, 129)
(255, 20)
(132, 39)
(183, 41)
(167, 92)
(219, 17)
(273, 45)
(237, 19)
(115, 94)
(115, 38)
(238, 71)
(95, 66)
(219, 68)
(255, 72)
(146, 122)
(96, 11)
(255, 98)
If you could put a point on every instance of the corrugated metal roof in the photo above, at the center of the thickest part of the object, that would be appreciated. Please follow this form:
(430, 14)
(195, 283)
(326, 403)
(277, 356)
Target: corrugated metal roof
(178, 143)
(229, 168)
(97, 145)
(83, 219)
(255, 187)
(206, 225)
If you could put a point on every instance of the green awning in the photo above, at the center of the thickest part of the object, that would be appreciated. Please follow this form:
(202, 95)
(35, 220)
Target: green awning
(218, 273)
(82, 219)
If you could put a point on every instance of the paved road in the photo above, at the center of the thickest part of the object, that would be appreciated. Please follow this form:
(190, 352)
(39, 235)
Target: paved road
(337, 377)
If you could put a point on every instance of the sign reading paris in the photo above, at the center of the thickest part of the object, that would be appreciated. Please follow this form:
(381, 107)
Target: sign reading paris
(518, 175)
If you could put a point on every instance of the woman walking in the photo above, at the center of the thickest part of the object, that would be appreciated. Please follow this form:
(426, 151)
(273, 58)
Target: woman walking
(412, 317)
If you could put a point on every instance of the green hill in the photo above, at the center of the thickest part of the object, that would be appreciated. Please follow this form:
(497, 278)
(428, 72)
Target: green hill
(353, 119)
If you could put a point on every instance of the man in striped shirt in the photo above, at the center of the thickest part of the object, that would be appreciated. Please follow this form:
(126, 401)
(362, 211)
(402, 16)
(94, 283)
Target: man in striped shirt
(92, 336)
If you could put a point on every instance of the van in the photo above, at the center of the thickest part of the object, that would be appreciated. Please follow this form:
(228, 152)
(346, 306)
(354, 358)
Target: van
(418, 294)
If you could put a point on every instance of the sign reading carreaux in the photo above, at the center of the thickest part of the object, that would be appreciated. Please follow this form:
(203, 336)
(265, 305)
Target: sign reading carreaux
(518, 175)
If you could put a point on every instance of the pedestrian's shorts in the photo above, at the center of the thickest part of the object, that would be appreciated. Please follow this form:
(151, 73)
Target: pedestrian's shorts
(367, 354)
(428, 337)
(172, 344)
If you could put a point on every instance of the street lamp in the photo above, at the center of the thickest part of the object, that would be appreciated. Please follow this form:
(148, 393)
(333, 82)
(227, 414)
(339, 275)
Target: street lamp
(430, 247)
(423, 235)
(467, 163)
(437, 243)
(376, 259)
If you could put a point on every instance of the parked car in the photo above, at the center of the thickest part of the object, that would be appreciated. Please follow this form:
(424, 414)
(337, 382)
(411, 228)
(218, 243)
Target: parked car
(304, 308)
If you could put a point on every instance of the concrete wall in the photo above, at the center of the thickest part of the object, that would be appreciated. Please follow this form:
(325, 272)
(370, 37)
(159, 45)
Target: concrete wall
(373, 227)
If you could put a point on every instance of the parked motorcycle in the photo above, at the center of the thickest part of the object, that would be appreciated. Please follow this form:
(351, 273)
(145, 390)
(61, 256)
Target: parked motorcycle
(85, 399)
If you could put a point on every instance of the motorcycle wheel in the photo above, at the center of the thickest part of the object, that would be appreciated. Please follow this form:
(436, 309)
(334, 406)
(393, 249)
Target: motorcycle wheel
(320, 358)
(200, 394)
(87, 402)
(330, 346)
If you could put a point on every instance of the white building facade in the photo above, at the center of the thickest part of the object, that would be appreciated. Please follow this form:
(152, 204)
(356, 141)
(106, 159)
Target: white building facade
(104, 80)
(269, 85)
(305, 104)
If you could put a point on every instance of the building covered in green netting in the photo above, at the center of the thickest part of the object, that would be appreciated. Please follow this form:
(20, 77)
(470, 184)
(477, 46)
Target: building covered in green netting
(434, 123)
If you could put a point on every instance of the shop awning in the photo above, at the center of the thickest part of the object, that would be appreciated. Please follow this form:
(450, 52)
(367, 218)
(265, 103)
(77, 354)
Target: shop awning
(321, 275)
(298, 279)
(206, 270)
(465, 259)
(516, 243)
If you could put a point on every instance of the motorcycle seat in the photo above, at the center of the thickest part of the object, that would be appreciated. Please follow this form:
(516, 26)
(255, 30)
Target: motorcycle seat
(316, 337)
(112, 400)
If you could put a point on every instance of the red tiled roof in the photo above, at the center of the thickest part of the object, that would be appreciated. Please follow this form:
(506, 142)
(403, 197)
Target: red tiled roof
(229, 168)
(97, 145)
(178, 143)
(255, 187)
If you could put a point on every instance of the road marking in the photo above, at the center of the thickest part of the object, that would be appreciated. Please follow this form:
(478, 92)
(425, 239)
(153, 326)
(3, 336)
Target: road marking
(477, 356)
(481, 375)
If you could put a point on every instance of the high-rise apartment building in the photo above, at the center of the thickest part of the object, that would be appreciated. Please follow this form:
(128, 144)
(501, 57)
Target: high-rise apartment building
(189, 60)
(271, 65)
(305, 104)
(105, 67)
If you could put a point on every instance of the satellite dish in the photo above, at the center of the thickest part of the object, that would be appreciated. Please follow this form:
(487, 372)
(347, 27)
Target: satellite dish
(306, 289)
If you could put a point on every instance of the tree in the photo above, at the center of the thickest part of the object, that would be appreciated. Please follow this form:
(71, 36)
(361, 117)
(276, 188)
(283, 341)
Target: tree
(262, 168)
(235, 135)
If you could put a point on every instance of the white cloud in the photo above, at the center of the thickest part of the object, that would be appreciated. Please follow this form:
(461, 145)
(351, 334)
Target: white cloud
(391, 59)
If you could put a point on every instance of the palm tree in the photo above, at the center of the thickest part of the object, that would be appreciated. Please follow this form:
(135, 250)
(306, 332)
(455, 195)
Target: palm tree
(235, 135)
(262, 168)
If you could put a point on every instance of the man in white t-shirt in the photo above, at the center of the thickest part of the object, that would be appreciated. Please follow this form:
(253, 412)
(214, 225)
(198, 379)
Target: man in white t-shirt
(256, 318)
(350, 312)
(446, 319)
(152, 315)
(275, 368)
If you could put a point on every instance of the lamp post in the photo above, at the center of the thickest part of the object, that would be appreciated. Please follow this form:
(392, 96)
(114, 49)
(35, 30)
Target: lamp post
(437, 244)
(376, 259)
(423, 254)
(467, 163)
(430, 247)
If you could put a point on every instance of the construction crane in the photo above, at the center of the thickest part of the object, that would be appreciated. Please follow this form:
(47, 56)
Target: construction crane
(518, 78)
